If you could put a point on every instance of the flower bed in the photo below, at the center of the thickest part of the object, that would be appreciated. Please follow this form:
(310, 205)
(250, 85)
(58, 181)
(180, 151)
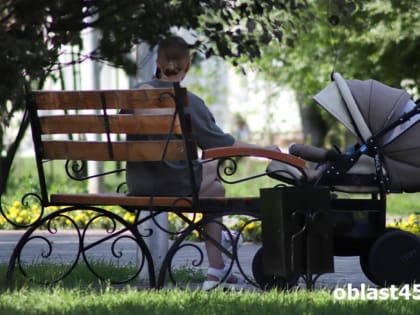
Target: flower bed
(411, 224)
(250, 229)
(26, 214)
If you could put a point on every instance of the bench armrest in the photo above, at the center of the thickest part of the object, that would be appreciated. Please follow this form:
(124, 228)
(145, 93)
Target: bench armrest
(225, 152)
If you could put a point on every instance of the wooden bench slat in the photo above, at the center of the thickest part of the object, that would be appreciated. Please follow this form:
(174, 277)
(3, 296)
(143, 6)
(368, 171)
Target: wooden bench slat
(115, 199)
(127, 124)
(120, 199)
(114, 99)
(123, 151)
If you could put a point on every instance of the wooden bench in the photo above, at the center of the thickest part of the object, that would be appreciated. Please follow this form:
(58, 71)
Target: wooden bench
(89, 126)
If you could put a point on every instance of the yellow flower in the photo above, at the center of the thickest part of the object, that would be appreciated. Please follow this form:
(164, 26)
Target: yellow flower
(17, 204)
(410, 225)
(129, 217)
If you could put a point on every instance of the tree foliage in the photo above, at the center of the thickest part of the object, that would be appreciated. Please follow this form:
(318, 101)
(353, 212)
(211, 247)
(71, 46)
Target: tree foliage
(378, 39)
(32, 34)
(296, 43)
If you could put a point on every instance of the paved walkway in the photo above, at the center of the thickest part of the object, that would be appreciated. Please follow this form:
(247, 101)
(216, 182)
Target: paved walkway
(65, 244)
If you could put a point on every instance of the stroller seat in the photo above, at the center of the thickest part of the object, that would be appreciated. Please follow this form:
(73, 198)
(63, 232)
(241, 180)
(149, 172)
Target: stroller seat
(385, 157)
(359, 178)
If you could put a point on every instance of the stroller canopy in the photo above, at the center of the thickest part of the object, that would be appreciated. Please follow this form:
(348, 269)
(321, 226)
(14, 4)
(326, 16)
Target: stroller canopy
(366, 108)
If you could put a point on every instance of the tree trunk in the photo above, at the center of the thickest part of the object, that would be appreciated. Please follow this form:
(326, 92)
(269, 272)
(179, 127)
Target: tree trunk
(3, 175)
(6, 161)
(314, 127)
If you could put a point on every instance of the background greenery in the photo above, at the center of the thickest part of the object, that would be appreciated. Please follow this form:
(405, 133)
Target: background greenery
(34, 33)
(377, 39)
(291, 43)
(24, 180)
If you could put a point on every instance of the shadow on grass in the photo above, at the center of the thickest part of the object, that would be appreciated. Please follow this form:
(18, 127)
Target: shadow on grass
(81, 276)
(110, 274)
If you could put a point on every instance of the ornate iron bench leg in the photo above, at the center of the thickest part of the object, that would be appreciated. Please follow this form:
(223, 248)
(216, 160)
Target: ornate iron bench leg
(113, 235)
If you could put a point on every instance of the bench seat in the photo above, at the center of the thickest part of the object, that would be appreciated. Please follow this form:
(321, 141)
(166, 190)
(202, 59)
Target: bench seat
(158, 203)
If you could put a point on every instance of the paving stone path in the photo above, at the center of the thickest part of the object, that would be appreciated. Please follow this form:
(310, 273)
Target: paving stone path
(347, 269)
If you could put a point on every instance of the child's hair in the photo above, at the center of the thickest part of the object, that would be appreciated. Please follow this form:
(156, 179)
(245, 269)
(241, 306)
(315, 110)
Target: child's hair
(173, 55)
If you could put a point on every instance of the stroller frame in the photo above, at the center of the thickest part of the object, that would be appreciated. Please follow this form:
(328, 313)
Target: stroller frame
(387, 256)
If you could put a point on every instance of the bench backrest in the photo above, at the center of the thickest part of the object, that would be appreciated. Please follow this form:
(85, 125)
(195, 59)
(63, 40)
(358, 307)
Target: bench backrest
(93, 126)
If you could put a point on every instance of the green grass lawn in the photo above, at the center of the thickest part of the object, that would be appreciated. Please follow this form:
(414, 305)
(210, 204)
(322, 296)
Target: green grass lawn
(403, 204)
(80, 294)
(128, 301)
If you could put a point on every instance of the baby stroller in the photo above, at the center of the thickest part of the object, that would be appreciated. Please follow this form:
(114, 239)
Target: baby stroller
(385, 159)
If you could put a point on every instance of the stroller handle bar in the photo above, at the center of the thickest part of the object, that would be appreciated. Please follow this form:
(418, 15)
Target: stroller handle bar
(313, 154)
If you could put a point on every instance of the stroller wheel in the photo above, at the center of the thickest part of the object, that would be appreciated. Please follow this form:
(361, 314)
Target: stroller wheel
(364, 257)
(267, 282)
(394, 258)
(364, 264)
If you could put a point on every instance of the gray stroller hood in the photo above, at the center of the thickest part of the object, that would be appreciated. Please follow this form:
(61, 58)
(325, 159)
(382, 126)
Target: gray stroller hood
(368, 107)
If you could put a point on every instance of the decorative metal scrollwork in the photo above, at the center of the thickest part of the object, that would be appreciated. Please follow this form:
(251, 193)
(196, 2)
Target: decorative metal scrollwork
(122, 188)
(40, 247)
(29, 268)
(225, 168)
(25, 202)
(114, 243)
(235, 246)
(76, 170)
(228, 167)
(228, 245)
(195, 262)
(182, 216)
(115, 237)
